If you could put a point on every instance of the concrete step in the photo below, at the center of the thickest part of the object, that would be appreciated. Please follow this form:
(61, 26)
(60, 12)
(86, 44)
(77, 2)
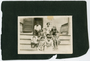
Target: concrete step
(26, 33)
(29, 46)
(65, 37)
(25, 46)
(29, 42)
(65, 42)
(23, 37)
(25, 41)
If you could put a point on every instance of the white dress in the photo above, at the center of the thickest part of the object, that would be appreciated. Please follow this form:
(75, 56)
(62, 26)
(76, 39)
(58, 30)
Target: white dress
(48, 29)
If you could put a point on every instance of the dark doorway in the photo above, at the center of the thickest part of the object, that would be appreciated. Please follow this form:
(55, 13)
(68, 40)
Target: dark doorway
(39, 21)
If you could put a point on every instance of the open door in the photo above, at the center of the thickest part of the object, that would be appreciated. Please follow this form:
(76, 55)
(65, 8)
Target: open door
(39, 20)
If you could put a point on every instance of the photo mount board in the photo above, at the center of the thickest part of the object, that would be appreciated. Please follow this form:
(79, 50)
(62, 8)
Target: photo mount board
(12, 9)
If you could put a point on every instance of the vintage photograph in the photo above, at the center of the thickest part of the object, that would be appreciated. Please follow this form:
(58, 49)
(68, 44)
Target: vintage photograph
(45, 35)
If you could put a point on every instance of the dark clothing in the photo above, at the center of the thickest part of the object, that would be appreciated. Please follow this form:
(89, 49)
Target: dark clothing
(37, 33)
(33, 45)
(54, 31)
(54, 43)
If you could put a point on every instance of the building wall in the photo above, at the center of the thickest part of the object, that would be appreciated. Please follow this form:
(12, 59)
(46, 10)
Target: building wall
(56, 21)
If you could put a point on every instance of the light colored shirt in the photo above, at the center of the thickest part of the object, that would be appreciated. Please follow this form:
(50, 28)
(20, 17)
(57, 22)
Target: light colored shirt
(42, 42)
(49, 43)
(48, 29)
(37, 27)
(34, 39)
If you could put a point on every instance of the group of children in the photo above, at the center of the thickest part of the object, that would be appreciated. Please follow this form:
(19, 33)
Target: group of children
(47, 38)
(43, 42)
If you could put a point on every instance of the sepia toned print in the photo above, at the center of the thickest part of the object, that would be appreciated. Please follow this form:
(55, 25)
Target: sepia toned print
(45, 35)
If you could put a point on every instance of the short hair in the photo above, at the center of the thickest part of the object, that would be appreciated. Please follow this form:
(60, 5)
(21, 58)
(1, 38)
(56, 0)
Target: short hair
(48, 23)
(42, 37)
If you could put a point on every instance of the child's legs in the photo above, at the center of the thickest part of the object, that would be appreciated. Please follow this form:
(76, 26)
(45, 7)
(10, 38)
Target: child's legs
(32, 45)
(36, 45)
(43, 47)
(54, 44)
(35, 32)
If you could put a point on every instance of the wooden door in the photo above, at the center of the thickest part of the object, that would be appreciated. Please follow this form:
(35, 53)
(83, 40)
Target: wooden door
(28, 25)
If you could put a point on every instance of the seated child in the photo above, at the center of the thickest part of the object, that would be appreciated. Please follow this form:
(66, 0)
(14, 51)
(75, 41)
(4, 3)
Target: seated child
(42, 32)
(34, 42)
(49, 42)
(42, 44)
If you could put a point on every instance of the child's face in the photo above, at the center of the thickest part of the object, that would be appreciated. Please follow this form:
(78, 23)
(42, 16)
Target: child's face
(48, 38)
(54, 27)
(42, 38)
(33, 36)
(54, 35)
(48, 24)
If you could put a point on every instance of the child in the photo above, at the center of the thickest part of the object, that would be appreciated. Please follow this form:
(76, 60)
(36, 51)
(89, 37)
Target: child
(48, 28)
(54, 31)
(42, 44)
(42, 32)
(55, 39)
(37, 29)
(34, 42)
(49, 42)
